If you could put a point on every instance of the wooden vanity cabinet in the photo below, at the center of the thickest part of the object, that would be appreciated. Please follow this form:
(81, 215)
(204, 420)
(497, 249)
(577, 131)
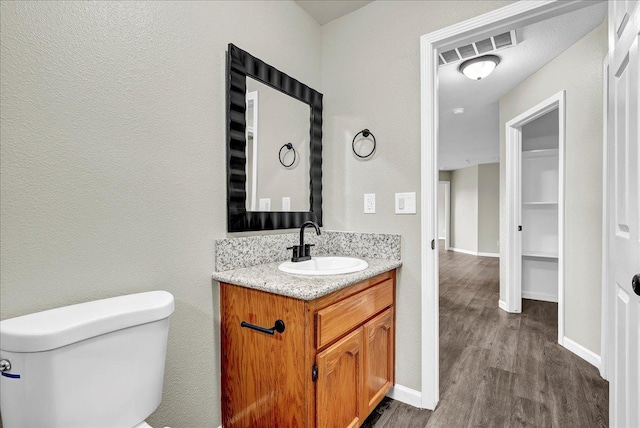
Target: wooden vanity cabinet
(330, 367)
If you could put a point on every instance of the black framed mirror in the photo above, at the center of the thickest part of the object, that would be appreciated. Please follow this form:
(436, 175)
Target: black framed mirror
(241, 214)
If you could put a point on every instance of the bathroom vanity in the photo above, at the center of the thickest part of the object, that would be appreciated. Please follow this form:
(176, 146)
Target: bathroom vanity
(306, 351)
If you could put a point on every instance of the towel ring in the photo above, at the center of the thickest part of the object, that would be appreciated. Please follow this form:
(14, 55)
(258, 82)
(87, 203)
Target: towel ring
(289, 146)
(365, 133)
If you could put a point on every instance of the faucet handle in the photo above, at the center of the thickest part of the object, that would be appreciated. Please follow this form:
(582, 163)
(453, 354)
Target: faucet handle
(306, 250)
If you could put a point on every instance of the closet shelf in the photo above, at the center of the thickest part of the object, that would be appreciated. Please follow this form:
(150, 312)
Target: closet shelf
(540, 203)
(540, 254)
(539, 153)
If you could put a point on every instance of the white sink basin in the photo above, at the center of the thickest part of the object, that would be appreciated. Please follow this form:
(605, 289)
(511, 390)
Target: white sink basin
(324, 266)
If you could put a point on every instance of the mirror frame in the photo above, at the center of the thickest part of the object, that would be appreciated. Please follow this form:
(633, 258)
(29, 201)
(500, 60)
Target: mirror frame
(241, 64)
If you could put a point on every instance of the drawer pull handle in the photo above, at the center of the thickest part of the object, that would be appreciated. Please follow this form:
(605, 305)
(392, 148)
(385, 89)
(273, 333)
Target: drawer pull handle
(279, 327)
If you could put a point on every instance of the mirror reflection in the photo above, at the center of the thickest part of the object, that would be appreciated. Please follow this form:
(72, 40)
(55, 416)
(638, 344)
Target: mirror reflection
(273, 120)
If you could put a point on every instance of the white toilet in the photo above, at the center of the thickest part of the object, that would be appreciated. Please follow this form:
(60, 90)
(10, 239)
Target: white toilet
(92, 365)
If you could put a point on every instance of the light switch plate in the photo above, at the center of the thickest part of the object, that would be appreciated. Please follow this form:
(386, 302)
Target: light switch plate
(286, 203)
(406, 203)
(264, 204)
(369, 203)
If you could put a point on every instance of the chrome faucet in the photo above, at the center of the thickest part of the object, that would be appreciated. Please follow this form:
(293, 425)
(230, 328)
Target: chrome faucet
(302, 252)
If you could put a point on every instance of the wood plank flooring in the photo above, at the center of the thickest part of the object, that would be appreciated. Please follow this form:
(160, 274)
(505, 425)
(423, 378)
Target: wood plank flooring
(499, 369)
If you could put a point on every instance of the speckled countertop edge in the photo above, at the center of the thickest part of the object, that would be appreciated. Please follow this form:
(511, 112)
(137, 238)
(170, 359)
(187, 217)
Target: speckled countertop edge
(267, 277)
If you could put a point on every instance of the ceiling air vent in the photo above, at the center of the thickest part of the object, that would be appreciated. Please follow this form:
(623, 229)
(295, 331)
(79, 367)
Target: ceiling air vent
(481, 47)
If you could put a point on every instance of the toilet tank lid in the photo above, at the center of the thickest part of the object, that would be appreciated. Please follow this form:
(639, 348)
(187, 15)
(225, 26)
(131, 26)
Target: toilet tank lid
(43, 331)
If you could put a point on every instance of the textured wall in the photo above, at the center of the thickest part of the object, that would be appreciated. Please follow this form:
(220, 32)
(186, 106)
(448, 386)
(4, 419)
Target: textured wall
(371, 79)
(113, 160)
(578, 70)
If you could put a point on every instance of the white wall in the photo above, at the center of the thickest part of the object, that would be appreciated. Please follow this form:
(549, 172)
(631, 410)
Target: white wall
(578, 70)
(464, 209)
(113, 160)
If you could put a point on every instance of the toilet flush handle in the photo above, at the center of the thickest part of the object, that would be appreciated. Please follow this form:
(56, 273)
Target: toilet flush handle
(5, 367)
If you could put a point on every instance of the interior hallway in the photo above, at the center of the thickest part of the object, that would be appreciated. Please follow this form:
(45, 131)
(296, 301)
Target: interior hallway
(499, 369)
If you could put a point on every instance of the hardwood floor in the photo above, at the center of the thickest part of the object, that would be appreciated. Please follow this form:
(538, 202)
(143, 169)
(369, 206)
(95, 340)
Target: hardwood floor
(499, 369)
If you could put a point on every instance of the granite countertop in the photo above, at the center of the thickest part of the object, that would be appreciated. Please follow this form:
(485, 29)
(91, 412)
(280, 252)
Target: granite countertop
(267, 277)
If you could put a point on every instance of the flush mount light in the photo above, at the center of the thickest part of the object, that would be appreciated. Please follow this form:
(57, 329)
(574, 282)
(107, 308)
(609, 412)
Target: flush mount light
(458, 110)
(480, 67)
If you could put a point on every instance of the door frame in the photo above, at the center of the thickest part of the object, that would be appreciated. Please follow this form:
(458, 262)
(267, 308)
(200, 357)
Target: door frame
(252, 99)
(513, 271)
(506, 18)
(447, 213)
(605, 322)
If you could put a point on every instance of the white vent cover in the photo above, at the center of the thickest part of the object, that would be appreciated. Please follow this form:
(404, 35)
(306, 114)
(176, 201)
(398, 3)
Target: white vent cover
(480, 47)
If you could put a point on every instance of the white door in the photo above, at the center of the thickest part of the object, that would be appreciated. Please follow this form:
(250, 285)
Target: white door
(623, 344)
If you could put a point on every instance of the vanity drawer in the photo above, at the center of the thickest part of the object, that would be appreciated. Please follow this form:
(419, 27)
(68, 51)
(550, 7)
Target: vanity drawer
(341, 317)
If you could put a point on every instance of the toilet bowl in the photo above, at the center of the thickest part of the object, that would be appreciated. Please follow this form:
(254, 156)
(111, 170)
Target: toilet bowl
(98, 364)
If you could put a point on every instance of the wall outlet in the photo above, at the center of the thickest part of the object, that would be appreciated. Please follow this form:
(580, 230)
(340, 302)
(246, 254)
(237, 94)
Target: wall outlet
(406, 203)
(264, 204)
(369, 203)
(286, 203)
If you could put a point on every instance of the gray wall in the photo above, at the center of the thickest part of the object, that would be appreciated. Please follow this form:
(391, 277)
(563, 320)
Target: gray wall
(578, 70)
(113, 160)
(442, 223)
(475, 197)
(371, 79)
(489, 208)
(442, 176)
(464, 209)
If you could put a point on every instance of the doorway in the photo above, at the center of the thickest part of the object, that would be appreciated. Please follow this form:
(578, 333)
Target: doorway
(502, 20)
(535, 206)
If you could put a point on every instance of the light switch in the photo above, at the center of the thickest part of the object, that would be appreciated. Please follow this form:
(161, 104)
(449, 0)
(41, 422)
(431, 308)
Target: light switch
(369, 203)
(406, 203)
(286, 203)
(264, 204)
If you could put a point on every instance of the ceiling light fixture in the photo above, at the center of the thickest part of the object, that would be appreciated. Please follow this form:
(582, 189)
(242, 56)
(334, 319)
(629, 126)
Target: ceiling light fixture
(458, 110)
(480, 67)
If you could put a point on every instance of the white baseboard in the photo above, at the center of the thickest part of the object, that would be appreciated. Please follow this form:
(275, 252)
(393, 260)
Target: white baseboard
(406, 395)
(489, 254)
(474, 253)
(503, 305)
(539, 296)
(582, 352)
(460, 250)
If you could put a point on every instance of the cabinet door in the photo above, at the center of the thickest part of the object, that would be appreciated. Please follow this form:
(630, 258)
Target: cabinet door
(379, 352)
(340, 383)
(262, 374)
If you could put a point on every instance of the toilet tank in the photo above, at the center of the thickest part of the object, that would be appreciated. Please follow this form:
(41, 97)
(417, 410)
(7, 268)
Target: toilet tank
(95, 364)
